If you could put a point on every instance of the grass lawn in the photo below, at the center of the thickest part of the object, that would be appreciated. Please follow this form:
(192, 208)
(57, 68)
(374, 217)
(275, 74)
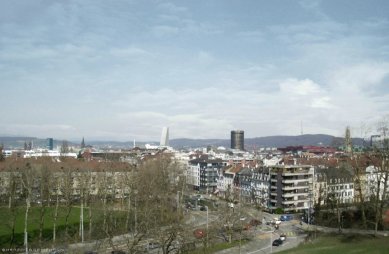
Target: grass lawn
(33, 221)
(342, 244)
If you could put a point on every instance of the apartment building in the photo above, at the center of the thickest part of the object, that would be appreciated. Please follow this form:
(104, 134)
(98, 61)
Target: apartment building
(333, 185)
(203, 174)
(291, 187)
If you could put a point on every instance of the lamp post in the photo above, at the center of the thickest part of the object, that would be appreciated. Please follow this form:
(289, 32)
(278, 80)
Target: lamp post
(240, 235)
(206, 207)
(271, 241)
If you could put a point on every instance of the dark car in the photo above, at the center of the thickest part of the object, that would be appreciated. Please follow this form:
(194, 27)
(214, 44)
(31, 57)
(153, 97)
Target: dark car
(57, 251)
(277, 242)
(118, 252)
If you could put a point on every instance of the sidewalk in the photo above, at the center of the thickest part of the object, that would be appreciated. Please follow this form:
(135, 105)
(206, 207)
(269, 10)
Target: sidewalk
(307, 227)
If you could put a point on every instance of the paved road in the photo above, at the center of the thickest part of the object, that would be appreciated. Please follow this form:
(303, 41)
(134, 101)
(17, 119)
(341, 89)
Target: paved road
(264, 235)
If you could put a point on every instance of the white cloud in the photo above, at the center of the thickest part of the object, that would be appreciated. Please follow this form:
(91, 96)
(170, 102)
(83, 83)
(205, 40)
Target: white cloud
(170, 7)
(299, 87)
(363, 76)
(322, 102)
(164, 30)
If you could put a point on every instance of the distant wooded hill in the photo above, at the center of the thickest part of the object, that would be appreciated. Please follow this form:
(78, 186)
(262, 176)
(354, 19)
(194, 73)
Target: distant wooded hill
(250, 143)
(270, 141)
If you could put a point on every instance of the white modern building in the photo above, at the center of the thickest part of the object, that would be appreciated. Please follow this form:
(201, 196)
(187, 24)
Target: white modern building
(164, 137)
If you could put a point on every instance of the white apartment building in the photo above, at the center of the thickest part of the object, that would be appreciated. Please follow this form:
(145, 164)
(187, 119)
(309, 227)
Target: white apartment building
(333, 185)
(375, 181)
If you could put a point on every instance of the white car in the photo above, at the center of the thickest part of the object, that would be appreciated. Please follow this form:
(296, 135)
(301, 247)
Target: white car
(152, 246)
(282, 237)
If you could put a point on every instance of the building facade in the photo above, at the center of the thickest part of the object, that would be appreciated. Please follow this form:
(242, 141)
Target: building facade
(291, 187)
(237, 139)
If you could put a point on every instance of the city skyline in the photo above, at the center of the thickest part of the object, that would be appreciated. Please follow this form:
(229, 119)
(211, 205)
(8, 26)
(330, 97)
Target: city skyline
(123, 70)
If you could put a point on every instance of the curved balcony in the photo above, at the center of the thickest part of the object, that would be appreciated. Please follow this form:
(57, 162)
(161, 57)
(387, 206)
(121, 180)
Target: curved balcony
(296, 174)
(295, 181)
(295, 187)
(288, 202)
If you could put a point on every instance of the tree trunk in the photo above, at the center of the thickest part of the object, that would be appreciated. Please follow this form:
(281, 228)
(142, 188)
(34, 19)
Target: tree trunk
(55, 219)
(26, 223)
(13, 223)
(361, 199)
(41, 223)
(90, 222)
(383, 197)
(69, 209)
(128, 213)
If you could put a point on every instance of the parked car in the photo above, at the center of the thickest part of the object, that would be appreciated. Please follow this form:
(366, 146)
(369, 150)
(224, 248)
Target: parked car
(286, 217)
(277, 242)
(57, 251)
(118, 252)
(282, 237)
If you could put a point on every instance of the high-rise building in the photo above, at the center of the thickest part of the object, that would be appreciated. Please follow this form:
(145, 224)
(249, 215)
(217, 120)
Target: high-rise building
(50, 144)
(348, 146)
(237, 139)
(164, 137)
(83, 143)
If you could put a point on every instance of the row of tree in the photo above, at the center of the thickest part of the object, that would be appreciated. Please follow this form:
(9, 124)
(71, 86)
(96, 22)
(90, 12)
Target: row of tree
(114, 198)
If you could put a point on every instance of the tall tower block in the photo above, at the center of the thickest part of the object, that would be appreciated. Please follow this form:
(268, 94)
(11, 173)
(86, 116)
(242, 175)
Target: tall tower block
(164, 137)
(50, 143)
(237, 139)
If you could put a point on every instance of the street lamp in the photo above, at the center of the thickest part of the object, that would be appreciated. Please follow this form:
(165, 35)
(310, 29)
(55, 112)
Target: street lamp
(240, 236)
(206, 207)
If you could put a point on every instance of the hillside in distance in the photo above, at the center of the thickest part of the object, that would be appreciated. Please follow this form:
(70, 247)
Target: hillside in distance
(270, 141)
(250, 143)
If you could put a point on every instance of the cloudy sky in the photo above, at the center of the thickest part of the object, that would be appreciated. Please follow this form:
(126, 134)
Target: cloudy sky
(122, 69)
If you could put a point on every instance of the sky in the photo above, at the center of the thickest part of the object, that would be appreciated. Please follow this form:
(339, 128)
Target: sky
(123, 69)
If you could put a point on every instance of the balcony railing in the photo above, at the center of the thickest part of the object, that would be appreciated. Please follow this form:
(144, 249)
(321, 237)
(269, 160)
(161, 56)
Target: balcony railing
(296, 173)
(286, 195)
(294, 187)
(295, 181)
(288, 202)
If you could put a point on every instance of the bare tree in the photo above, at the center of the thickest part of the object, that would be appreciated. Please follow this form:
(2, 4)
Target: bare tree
(28, 177)
(64, 147)
(13, 188)
(44, 178)
(2, 158)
